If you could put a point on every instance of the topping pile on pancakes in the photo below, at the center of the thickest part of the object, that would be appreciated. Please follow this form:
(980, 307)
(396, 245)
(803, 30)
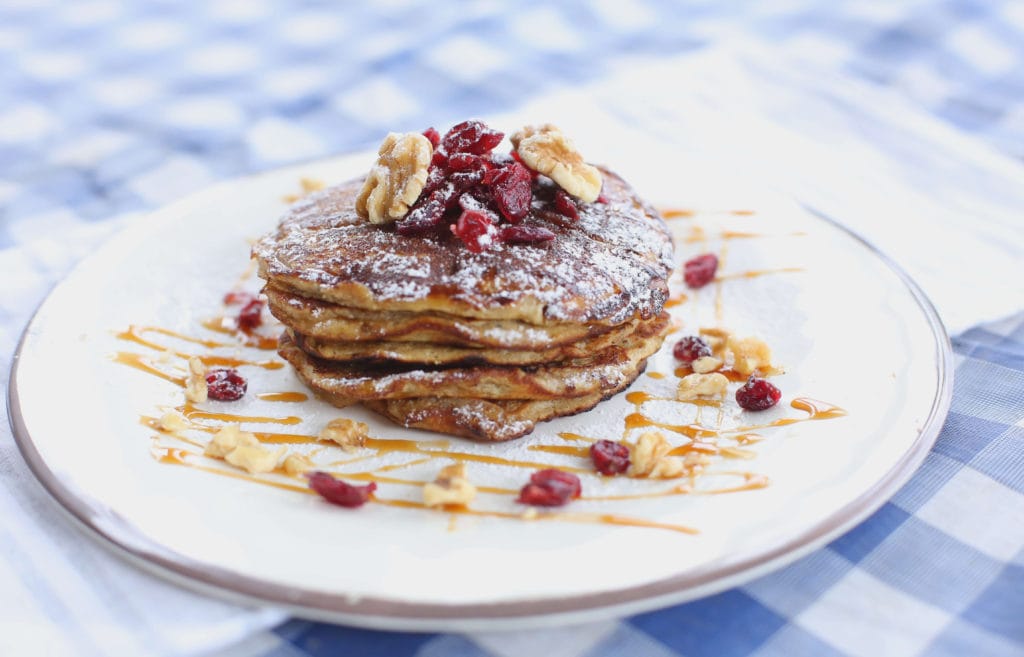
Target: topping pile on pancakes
(466, 315)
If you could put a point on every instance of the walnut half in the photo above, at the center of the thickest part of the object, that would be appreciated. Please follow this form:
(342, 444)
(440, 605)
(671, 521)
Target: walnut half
(546, 150)
(397, 179)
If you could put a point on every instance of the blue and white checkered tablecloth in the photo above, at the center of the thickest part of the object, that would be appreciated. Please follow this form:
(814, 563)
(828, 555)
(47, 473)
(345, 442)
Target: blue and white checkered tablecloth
(109, 109)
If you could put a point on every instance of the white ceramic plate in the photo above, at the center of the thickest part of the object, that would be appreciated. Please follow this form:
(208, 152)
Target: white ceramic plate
(848, 327)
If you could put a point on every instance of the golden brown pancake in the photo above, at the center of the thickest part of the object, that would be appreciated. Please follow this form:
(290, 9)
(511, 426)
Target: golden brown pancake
(605, 269)
(320, 319)
(485, 419)
(426, 353)
(605, 370)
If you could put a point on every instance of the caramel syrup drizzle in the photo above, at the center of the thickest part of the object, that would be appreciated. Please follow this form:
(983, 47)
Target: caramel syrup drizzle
(680, 213)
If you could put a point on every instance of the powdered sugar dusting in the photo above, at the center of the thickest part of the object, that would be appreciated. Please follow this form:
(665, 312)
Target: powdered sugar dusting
(609, 267)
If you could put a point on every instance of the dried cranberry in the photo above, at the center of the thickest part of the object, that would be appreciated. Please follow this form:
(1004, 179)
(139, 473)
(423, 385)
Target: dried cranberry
(698, 271)
(433, 135)
(511, 190)
(225, 384)
(521, 234)
(467, 161)
(471, 137)
(601, 198)
(566, 206)
(429, 211)
(435, 178)
(476, 230)
(691, 348)
(251, 315)
(471, 176)
(338, 492)
(757, 394)
(499, 160)
(609, 457)
(423, 218)
(237, 297)
(550, 488)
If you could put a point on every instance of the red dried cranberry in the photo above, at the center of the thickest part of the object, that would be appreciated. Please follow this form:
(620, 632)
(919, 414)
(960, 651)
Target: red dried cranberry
(550, 488)
(429, 211)
(464, 161)
(566, 206)
(251, 315)
(471, 176)
(423, 218)
(338, 492)
(521, 234)
(433, 135)
(471, 137)
(237, 297)
(476, 230)
(225, 384)
(435, 178)
(439, 159)
(511, 190)
(757, 394)
(691, 348)
(609, 457)
(698, 271)
(601, 198)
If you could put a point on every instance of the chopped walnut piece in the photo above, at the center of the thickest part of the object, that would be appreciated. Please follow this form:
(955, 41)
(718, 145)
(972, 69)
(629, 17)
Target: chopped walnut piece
(450, 487)
(347, 433)
(255, 458)
(706, 364)
(716, 339)
(547, 150)
(195, 383)
(695, 386)
(297, 464)
(172, 421)
(649, 457)
(227, 439)
(396, 180)
(749, 354)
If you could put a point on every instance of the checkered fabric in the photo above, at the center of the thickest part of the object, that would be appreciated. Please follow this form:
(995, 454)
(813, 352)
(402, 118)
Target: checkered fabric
(109, 109)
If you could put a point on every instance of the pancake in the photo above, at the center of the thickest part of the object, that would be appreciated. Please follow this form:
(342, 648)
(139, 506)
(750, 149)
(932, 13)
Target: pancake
(369, 353)
(485, 419)
(320, 319)
(478, 335)
(347, 382)
(607, 268)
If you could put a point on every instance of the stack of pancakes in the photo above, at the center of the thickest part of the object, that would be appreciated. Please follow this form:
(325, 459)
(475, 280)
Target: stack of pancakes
(481, 345)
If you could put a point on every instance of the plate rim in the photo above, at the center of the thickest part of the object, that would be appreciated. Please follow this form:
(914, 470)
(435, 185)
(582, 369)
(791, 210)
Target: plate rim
(122, 538)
